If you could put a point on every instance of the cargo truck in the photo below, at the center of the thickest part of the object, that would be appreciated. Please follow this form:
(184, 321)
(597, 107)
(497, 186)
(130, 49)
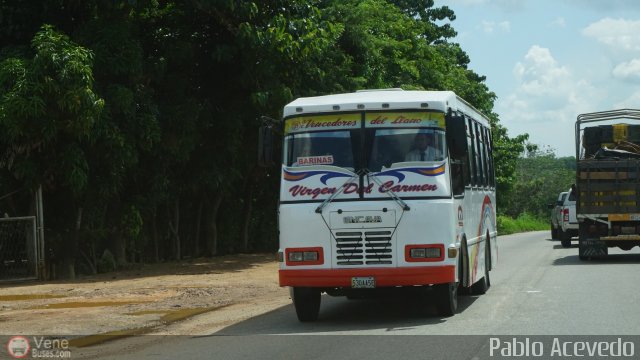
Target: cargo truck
(608, 181)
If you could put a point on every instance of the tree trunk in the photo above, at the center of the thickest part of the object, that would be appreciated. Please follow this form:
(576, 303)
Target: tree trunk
(154, 235)
(119, 241)
(212, 238)
(175, 229)
(120, 246)
(91, 257)
(246, 213)
(196, 245)
(68, 269)
(91, 260)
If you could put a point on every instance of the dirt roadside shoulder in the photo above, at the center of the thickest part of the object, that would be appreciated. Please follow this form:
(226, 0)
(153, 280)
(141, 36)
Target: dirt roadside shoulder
(168, 298)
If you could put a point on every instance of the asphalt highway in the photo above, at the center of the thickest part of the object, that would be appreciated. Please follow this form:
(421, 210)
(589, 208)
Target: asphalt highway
(540, 292)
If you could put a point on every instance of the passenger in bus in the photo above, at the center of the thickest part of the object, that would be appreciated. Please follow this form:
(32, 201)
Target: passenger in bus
(424, 149)
(302, 149)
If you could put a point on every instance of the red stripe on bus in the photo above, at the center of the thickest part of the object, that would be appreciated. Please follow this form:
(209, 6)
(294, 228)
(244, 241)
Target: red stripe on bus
(406, 276)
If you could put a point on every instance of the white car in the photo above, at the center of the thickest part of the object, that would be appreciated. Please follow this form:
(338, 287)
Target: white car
(564, 223)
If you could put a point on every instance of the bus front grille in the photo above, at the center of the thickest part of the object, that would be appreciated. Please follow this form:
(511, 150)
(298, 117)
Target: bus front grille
(370, 247)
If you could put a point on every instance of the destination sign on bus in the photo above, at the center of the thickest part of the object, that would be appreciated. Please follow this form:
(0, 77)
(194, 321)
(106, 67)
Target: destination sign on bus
(405, 119)
(322, 122)
(315, 160)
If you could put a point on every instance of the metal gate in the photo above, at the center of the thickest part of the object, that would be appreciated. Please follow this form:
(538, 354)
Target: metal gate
(18, 248)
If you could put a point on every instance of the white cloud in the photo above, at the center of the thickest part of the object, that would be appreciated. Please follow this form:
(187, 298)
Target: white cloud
(508, 6)
(602, 5)
(541, 77)
(618, 33)
(471, 2)
(504, 26)
(491, 26)
(628, 70)
(629, 103)
(546, 101)
(559, 22)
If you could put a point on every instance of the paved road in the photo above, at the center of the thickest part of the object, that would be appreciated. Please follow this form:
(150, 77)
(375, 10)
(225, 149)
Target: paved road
(538, 288)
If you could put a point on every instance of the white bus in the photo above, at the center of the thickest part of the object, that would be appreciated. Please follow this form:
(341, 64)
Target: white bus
(385, 189)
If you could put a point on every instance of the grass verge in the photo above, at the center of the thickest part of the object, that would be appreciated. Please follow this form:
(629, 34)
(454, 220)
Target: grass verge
(522, 223)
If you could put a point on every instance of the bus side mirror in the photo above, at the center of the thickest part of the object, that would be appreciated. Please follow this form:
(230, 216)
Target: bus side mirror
(457, 136)
(265, 146)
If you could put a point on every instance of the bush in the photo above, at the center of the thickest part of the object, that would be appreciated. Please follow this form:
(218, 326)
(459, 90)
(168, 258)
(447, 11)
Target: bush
(524, 222)
(107, 262)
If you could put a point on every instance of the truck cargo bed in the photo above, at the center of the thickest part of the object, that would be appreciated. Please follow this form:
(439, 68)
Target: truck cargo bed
(608, 186)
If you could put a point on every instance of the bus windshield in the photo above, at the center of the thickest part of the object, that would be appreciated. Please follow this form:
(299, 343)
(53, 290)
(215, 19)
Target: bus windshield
(320, 148)
(393, 146)
(364, 141)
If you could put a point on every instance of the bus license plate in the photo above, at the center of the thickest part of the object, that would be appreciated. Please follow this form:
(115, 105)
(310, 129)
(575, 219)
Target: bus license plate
(363, 282)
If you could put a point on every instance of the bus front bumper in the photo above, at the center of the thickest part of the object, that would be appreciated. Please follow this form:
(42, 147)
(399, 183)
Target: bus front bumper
(384, 277)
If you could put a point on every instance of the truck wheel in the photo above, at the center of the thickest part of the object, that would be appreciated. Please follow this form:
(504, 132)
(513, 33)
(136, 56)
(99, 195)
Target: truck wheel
(446, 298)
(582, 235)
(554, 233)
(582, 251)
(307, 303)
(565, 239)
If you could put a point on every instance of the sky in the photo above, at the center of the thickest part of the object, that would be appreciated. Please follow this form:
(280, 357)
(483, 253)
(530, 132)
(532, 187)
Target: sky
(550, 60)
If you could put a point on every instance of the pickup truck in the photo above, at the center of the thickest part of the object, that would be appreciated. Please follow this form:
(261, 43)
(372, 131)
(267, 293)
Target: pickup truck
(564, 223)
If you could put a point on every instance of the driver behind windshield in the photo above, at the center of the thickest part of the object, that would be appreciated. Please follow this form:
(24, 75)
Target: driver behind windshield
(424, 149)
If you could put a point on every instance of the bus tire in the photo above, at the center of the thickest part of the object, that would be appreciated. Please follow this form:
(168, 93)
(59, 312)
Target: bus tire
(483, 285)
(463, 271)
(307, 303)
(446, 299)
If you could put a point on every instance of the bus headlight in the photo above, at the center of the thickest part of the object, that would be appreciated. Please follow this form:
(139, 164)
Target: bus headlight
(427, 252)
(295, 256)
(304, 256)
(310, 256)
(418, 252)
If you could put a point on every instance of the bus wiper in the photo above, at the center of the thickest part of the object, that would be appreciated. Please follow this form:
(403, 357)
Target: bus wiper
(393, 195)
(333, 196)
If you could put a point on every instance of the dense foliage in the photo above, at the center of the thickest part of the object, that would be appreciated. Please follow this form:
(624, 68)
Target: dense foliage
(538, 179)
(138, 117)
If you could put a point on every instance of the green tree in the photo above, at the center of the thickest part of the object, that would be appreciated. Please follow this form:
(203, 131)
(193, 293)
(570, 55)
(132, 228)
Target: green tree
(170, 151)
(539, 177)
(48, 116)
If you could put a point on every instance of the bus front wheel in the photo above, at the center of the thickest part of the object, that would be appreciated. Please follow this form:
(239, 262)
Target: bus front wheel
(307, 303)
(446, 298)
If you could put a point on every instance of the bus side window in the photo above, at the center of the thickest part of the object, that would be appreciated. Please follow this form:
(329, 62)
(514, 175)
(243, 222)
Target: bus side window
(458, 152)
(479, 155)
(482, 152)
(472, 153)
(489, 150)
